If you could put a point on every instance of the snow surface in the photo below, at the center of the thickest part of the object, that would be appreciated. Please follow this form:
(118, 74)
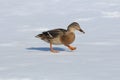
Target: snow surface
(24, 57)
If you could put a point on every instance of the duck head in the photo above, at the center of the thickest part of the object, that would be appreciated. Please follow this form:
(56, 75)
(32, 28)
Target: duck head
(74, 26)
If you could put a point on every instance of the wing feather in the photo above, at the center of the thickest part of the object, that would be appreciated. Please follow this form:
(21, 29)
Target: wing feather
(54, 33)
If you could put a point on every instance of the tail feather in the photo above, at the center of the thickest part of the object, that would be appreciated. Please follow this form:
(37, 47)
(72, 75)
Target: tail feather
(39, 35)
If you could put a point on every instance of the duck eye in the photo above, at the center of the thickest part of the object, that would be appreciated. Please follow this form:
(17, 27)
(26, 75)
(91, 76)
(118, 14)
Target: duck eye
(75, 25)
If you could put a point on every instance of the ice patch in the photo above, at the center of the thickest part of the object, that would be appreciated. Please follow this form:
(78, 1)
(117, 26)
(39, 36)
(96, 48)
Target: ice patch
(6, 44)
(102, 43)
(114, 14)
(105, 4)
(11, 44)
(30, 28)
(15, 79)
(84, 19)
(2, 68)
(35, 29)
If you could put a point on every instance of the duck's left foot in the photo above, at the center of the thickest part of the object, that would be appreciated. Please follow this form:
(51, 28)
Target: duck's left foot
(71, 47)
(54, 51)
(51, 48)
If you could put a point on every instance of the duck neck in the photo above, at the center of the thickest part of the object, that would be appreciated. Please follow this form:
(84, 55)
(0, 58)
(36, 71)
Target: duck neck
(71, 29)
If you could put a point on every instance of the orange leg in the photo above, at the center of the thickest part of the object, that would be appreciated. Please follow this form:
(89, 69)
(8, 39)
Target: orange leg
(51, 48)
(71, 47)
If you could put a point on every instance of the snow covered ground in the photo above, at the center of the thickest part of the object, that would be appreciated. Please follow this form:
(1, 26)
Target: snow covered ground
(24, 57)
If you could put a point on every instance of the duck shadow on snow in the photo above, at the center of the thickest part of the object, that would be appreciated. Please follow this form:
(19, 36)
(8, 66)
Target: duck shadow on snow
(45, 48)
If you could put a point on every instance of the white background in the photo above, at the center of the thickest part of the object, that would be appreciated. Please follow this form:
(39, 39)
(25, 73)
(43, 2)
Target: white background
(24, 57)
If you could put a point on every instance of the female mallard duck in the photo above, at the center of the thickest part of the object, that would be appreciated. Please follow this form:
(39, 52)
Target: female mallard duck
(61, 36)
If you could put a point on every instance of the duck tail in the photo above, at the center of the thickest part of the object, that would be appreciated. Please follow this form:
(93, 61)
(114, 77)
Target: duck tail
(39, 35)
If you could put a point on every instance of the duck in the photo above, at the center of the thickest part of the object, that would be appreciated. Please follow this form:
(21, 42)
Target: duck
(60, 36)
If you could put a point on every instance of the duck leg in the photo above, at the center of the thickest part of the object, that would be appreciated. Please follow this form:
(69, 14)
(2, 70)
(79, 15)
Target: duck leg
(51, 48)
(71, 47)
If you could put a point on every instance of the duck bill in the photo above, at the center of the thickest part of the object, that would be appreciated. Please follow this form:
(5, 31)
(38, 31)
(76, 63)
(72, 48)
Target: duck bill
(82, 31)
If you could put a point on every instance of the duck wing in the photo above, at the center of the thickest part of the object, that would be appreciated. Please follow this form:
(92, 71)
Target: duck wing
(54, 33)
(51, 34)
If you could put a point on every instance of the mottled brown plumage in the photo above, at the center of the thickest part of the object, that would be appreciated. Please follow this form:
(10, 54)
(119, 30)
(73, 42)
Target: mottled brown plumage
(61, 36)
